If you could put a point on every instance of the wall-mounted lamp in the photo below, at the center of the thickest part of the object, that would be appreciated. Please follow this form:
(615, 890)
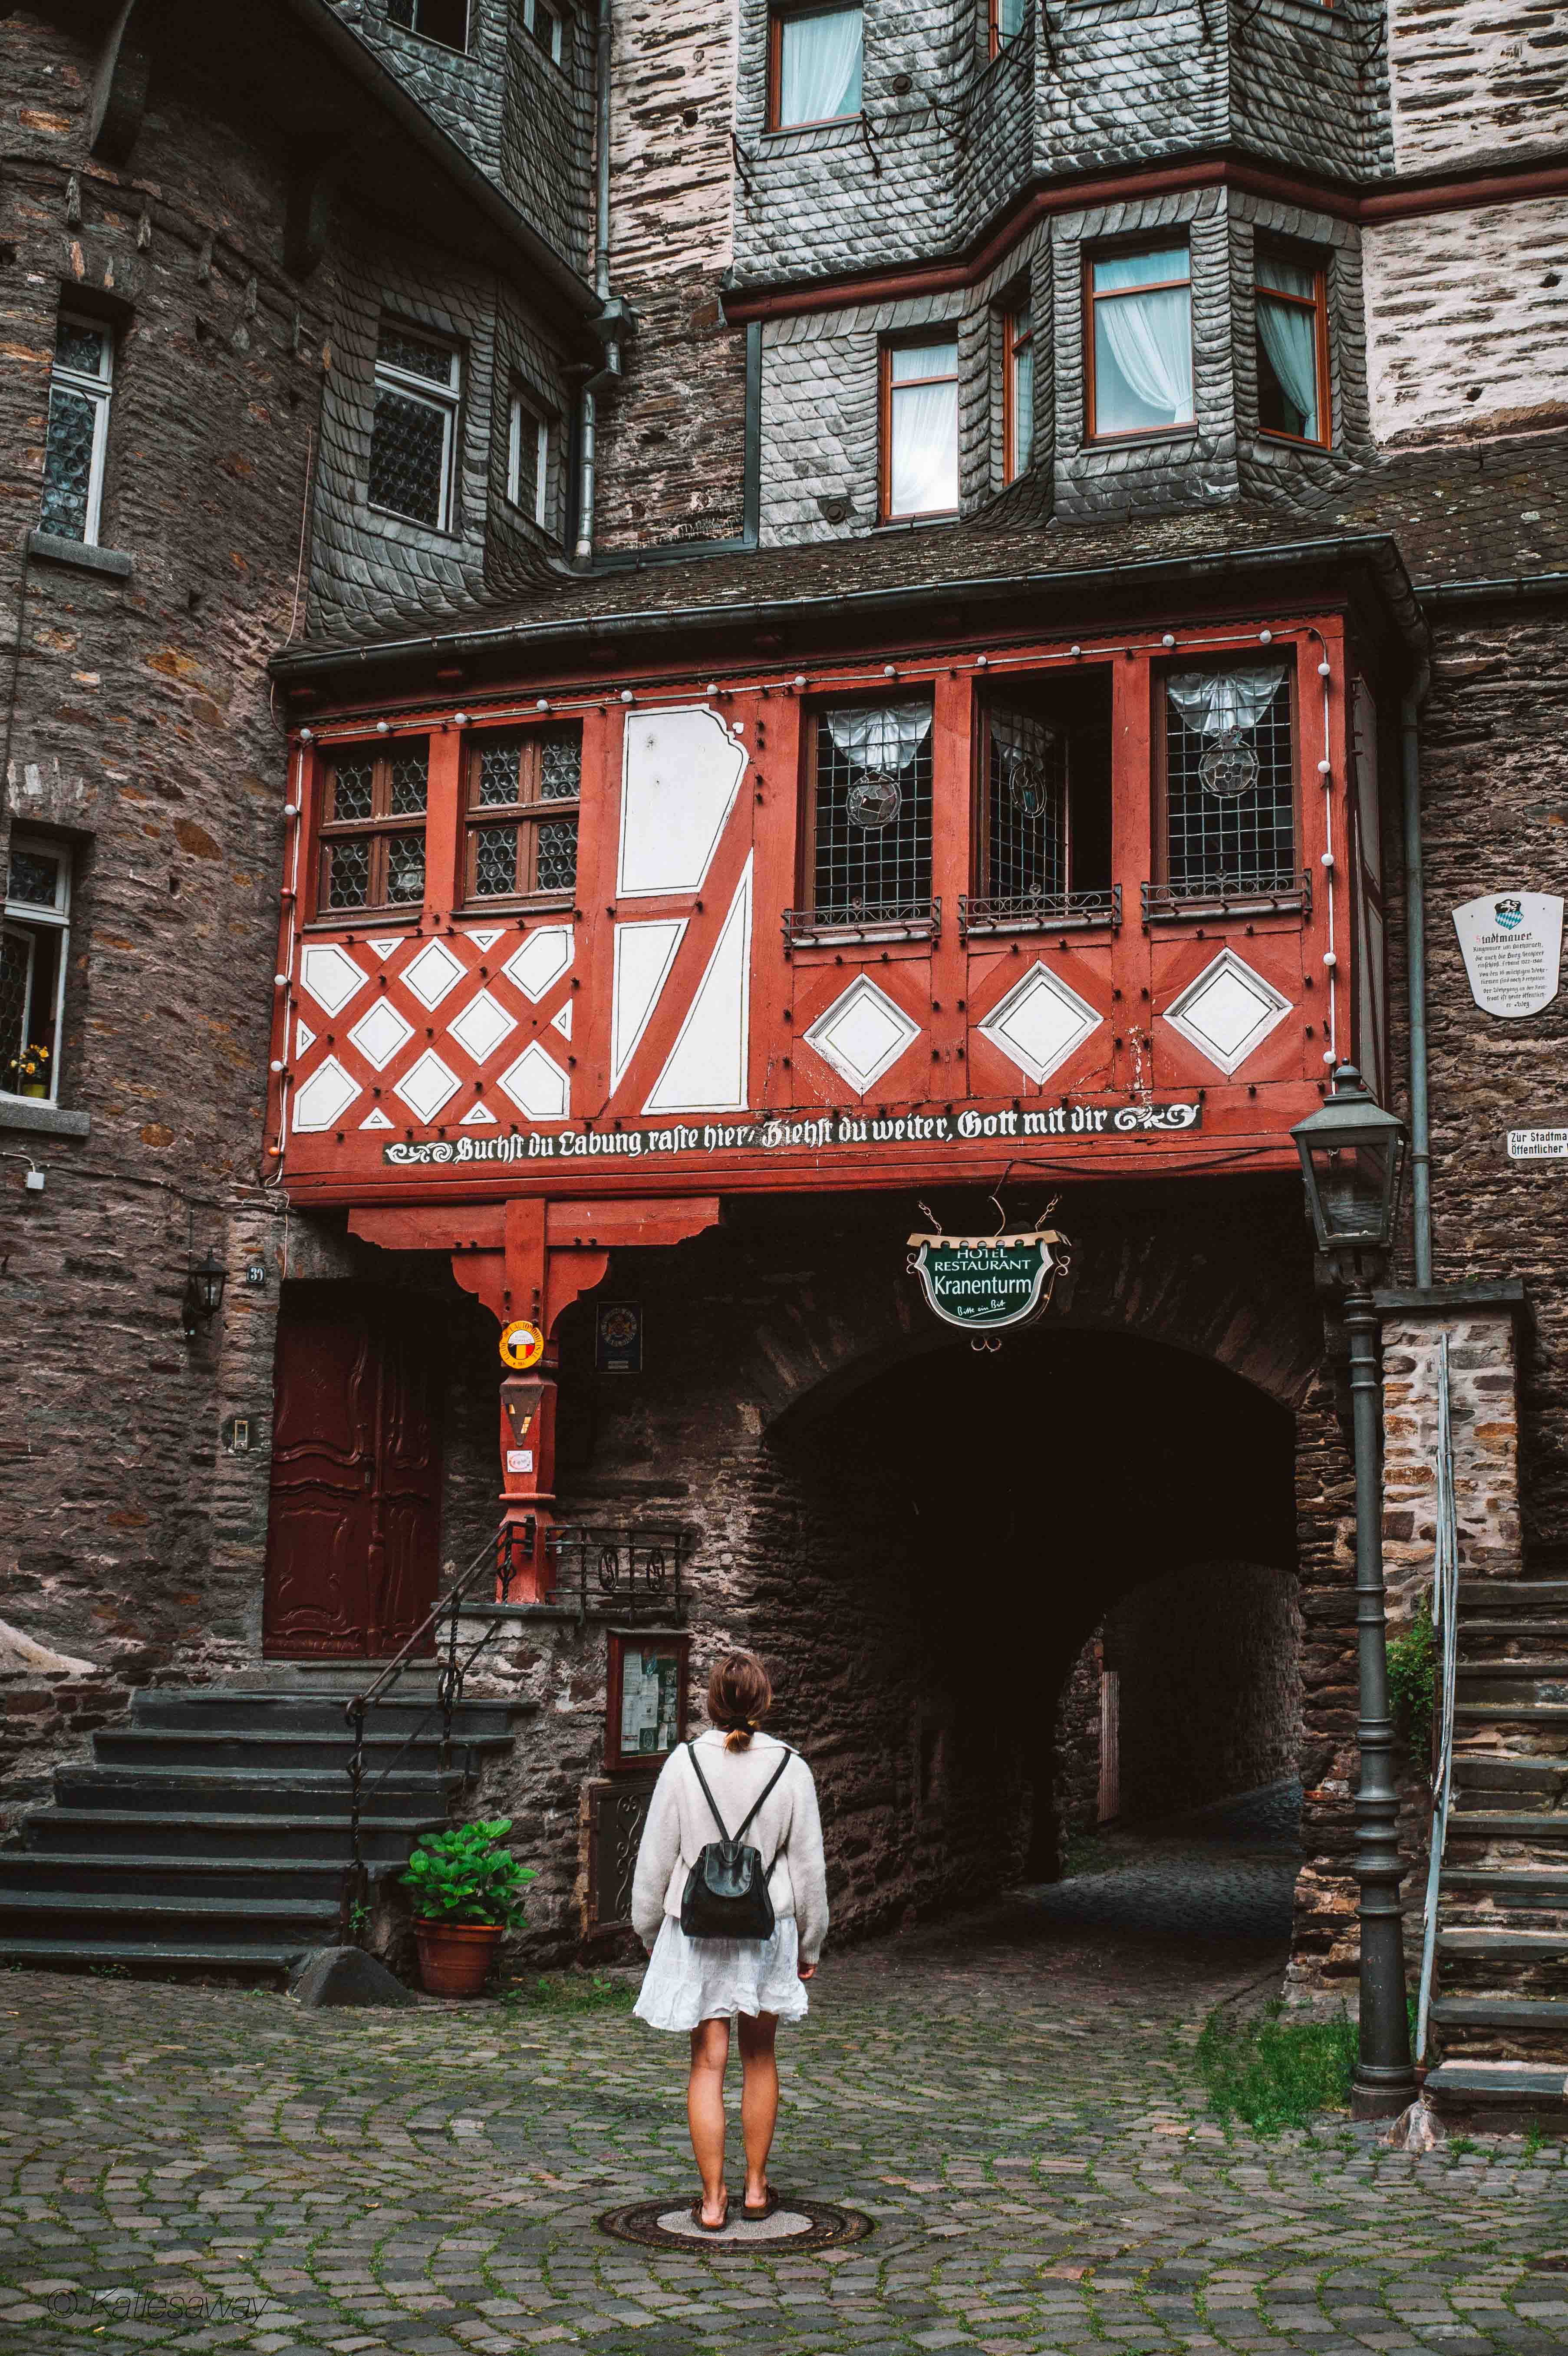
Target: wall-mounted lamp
(203, 1295)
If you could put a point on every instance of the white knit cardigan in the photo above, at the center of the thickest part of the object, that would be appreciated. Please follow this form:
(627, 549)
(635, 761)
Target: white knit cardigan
(787, 1830)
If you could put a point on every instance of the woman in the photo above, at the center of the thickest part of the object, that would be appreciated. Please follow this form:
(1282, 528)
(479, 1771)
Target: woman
(702, 1984)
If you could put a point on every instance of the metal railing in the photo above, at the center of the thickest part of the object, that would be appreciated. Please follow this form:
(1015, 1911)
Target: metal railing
(627, 1572)
(877, 920)
(1446, 1621)
(1284, 891)
(1041, 912)
(500, 1558)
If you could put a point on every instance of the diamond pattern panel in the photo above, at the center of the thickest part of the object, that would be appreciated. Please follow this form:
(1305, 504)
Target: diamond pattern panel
(538, 1086)
(1227, 1012)
(380, 1034)
(323, 1099)
(481, 1027)
(433, 973)
(330, 975)
(543, 958)
(427, 1084)
(862, 1034)
(1040, 1022)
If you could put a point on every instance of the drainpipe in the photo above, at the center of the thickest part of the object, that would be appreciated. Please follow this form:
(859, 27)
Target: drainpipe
(1415, 965)
(608, 311)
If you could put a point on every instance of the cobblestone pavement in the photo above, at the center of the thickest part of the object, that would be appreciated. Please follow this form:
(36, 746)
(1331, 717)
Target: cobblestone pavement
(1012, 2099)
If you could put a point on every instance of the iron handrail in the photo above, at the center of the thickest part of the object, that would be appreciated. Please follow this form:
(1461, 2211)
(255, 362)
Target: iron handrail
(494, 1557)
(1445, 1619)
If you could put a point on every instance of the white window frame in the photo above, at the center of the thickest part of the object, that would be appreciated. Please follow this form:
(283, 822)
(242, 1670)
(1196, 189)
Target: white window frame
(554, 43)
(445, 399)
(99, 391)
(521, 414)
(31, 914)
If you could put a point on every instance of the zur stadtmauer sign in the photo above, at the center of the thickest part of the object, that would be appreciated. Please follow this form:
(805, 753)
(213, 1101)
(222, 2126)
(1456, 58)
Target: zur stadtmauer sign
(984, 1282)
(791, 1133)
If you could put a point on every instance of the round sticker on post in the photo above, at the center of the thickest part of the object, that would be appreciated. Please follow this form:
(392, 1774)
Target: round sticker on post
(522, 1345)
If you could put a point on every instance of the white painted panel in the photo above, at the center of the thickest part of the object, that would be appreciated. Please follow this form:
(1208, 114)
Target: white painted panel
(643, 956)
(321, 1101)
(707, 1068)
(682, 771)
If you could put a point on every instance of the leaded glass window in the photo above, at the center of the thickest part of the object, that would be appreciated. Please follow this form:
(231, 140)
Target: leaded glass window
(1230, 780)
(871, 834)
(1025, 850)
(527, 783)
(413, 436)
(79, 387)
(445, 21)
(370, 856)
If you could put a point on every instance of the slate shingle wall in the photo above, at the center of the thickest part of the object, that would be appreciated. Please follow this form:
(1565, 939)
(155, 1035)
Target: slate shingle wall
(368, 566)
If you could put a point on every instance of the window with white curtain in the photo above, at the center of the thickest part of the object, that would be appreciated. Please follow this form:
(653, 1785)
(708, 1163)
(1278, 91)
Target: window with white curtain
(814, 66)
(1006, 18)
(1140, 340)
(920, 428)
(1292, 387)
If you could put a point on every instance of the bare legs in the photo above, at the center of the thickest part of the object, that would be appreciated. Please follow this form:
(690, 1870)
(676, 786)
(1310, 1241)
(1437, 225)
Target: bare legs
(759, 2105)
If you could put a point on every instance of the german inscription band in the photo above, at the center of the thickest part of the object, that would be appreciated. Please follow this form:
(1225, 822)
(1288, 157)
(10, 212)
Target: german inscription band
(790, 1133)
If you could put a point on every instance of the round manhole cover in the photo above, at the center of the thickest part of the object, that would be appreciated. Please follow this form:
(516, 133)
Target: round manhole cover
(795, 2225)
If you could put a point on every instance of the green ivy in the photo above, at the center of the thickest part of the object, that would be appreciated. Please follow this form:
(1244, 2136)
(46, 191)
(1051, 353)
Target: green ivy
(464, 1876)
(1411, 1677)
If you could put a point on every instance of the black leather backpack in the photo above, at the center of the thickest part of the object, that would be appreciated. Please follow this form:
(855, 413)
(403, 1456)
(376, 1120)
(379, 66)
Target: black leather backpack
(727, 1894)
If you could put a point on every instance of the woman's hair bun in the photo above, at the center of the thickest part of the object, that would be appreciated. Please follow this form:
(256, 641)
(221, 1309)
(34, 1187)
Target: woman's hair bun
(740, 1694)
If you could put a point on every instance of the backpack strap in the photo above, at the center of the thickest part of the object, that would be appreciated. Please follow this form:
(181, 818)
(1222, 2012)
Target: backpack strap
(773, 1779)
(708, 1795)
(762, 1794)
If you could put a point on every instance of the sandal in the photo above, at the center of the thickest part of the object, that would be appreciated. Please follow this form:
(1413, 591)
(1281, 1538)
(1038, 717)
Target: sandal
(755, 2216)
(700, 2222)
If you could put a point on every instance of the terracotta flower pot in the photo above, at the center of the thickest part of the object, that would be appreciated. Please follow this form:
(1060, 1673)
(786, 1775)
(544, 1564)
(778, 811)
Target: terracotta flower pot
(455, 1957)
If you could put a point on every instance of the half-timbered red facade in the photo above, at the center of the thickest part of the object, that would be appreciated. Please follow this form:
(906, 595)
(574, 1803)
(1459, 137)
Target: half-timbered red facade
(564, 962)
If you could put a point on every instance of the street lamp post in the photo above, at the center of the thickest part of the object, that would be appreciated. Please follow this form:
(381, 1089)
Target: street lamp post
(1352, 1159)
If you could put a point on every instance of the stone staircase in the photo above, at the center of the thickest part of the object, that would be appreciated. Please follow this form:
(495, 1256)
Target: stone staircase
(1500, 2011)
(209, 1831)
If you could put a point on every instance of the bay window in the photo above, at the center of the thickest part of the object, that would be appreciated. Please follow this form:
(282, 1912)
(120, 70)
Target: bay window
(1292, 348)
(1230, 784)
(814, 66)
(35, 933)
(372, 829)
(413, 436)
(920, 428)
(1006, 18)
(1139, 340)
(444, 22)
(524, 793)
(529, 452)
(868, 831)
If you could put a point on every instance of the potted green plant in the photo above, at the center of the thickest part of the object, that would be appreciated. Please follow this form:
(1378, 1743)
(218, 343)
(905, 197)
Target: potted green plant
(465, 1891)
(29, 1071)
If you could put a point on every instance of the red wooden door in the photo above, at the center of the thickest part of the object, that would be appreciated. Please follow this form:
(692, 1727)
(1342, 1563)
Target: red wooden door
(354, 1528)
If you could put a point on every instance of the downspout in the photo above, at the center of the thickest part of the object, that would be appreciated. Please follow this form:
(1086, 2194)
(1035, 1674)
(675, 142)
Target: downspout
(584, 550)
(1415, 967)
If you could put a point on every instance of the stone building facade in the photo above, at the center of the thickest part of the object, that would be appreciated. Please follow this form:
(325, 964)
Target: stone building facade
(704, 527)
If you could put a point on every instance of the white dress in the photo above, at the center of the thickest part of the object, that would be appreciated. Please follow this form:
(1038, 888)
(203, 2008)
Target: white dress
(691, 1980)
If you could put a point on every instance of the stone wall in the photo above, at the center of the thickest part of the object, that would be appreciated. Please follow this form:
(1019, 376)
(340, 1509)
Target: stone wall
(1466, 324)
(1471, 79)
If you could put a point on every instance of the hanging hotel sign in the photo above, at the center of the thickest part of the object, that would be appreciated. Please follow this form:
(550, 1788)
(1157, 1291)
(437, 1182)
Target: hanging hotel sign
(1512, 946)
(985, 1282)
(807, 1134)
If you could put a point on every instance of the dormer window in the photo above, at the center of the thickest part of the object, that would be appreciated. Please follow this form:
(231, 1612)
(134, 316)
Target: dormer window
(920, 428)
(1018, 390)
(1292, 348)
(1007, 18)
(546, 26)
(413, 434)
(1139, 336)
(814, 66)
